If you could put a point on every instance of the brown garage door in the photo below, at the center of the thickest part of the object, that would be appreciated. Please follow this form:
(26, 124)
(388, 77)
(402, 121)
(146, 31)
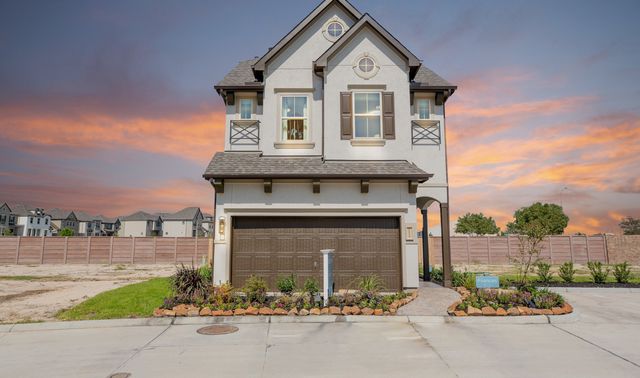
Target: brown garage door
(276, 246)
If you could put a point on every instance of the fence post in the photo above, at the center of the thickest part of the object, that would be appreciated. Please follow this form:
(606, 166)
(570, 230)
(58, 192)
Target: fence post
(571, 247)
(468, 253)
(588, 257)
(88, 249)
(550, 249)
(66, 248)
(175, 250)
(155, 251)
(18, 251)
(195, 253)
(111, 251)
(488, 250)
(133, 249)
(42, 252)
(509, 248)
(606, 248)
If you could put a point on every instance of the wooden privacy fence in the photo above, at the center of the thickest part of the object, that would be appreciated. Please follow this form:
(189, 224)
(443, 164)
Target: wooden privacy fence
(498, 250)
(103, 250)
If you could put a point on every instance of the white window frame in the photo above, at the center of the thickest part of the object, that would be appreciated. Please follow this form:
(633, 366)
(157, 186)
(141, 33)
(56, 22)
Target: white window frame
(353, 107)
(240, 99)
(325, 29)
(307, 135)
(429, 108)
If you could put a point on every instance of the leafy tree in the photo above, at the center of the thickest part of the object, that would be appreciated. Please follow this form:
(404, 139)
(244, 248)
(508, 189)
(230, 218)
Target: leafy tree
(7, 232)
(630, 226)
(549, 217)
(66, 232)
(476, 224)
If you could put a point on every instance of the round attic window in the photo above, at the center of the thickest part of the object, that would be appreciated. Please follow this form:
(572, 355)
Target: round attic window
(365, 66)
(333, 29)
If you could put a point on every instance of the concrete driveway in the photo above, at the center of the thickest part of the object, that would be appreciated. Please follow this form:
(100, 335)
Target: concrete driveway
(599, 343)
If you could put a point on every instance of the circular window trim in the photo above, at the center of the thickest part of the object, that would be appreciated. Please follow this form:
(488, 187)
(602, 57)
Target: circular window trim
(325, 29)
(363, 74)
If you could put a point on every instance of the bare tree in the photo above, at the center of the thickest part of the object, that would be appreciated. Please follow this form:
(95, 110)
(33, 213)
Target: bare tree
(529, 250)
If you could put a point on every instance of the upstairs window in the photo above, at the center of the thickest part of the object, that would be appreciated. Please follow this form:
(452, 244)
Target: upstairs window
(424, 109)
(294, 118)
(335, 29)
(246, 108)
(367, 115)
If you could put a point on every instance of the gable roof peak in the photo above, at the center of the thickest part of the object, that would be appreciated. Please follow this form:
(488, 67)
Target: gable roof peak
(367, 20)
(260, 64)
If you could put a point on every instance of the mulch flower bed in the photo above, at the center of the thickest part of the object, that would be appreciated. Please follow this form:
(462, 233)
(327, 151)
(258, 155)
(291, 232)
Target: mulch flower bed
(508, 302)
(192, 310)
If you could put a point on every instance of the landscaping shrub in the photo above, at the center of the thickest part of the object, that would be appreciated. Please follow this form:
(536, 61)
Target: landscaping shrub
(436, 274)
(189, 283)
(222, 294)
(544, 271)
(598, 274)
(546, 299)
(566, 271)
(311, 286)
(466, 279)
(206, 272)
(255, 288)
(286, 284)
(370, 285)
(622, 272)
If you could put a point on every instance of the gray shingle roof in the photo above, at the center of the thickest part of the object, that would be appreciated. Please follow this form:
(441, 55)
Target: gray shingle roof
(427, 78)
(254, 165)
(57, 214)
(140, 216)
(187, 213)
(240, 76)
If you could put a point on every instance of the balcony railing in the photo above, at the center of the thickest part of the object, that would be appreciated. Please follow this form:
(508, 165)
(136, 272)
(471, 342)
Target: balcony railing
(245, 133)
(425, 132)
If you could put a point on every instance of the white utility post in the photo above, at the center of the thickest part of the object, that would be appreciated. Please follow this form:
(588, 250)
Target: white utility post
(327, 274)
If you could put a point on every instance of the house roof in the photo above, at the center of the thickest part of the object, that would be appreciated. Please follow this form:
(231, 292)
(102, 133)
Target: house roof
(140, 216)
(21, 209)
(260, 64)
(187, 213)
(368, 21)
(241, 76)
(104, 219)
(427, 79)
(243, 165)
(59, 213)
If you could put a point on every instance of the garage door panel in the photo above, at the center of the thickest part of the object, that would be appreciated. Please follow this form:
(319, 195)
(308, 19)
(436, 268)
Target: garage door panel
(273, 247)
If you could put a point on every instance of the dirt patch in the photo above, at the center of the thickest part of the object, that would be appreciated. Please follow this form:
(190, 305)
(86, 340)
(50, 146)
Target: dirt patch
(5, 298)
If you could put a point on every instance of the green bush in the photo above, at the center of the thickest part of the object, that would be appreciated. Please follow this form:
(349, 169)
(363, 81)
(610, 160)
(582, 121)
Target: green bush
(436, 274)
(622, 272)
(255, 288)
(546, 299)
(206, 272)
(544, 271)
(188, 282)
(371, 284)
(311, 286)
(66, 232)
(286, 284)
(599, 273)
(566, 271)
(466, 279)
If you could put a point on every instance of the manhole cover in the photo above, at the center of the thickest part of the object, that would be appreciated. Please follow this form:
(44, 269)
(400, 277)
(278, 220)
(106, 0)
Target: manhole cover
(120, 375)
(217, 330)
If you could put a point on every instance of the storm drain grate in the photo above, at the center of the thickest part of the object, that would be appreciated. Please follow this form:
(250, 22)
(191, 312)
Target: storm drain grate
(217, 330)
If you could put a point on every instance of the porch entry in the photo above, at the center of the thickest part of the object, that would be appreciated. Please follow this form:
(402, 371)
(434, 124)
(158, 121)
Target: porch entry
(270, 247)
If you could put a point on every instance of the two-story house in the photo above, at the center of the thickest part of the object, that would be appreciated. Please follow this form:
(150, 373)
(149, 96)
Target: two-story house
(334, 139)
(29, 220)
(61, 219)
(184, 223)
(140, 224)
(108, 226)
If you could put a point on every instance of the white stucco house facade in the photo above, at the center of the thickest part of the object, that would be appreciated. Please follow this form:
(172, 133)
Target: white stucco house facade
(184, 223)
(29, 220)
(140, 224)
(334, 139)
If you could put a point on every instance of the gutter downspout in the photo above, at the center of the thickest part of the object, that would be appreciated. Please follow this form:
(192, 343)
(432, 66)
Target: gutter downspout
(321, 76)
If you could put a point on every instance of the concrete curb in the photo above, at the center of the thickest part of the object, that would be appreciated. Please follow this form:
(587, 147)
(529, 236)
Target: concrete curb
(603, 289)
(158, 322)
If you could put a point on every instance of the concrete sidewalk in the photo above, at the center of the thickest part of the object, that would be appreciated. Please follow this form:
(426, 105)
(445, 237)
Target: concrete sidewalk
(597, 343)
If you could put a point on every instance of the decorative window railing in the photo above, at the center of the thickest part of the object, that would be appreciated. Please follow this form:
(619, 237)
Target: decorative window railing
(245, 133)
(425, 132)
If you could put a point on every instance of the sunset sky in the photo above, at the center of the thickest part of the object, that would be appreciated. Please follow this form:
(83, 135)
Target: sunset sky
(109, 107)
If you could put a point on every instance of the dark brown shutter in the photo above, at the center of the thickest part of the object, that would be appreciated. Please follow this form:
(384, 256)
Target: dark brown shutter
(346, 128)
(388, 115)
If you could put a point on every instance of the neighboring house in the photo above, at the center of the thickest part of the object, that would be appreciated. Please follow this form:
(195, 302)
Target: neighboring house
(208, 224)
(61, 219)
(7, 220)
(140, 224)
(30, 221)
(108, 226)
(185, 223)
(334, 139)
(89, 225)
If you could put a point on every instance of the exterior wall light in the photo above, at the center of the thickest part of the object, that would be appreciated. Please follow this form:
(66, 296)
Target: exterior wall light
(221, 227)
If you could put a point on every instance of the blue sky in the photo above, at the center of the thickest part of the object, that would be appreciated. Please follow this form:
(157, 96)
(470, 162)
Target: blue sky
(114, 100)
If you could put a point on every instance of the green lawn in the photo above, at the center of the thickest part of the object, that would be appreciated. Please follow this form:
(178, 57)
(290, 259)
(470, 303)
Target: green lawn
(132, 301)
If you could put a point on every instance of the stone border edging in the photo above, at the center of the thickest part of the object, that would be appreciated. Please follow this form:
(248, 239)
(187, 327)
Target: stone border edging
(418, 319)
